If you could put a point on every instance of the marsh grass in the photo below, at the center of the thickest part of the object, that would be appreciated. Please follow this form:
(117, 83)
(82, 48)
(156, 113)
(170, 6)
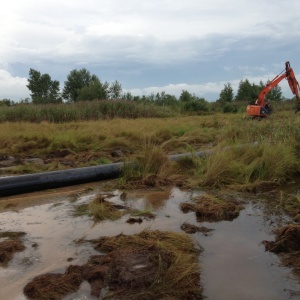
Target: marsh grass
(290, 204)
(265, 161)
(10, 243)
(151, 167)
(211, 208)
(53, 286)
(287, 240)
(100, 209)
(86, 110)
(147, 212)
(177, 274)
(148, 142)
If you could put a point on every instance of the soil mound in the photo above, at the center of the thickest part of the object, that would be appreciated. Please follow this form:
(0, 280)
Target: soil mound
(10, 246)
(287, 240)
(7, 250)
(148, 265)
(287, 245)
(211, 208)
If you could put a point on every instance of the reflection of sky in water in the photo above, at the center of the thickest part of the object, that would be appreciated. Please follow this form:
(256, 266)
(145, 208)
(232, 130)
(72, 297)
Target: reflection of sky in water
(234, 263)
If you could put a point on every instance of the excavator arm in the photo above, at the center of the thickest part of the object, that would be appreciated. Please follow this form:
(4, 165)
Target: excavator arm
(289, 74)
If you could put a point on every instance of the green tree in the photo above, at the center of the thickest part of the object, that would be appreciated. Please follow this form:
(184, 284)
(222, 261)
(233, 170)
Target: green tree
(115, 90)
(6, 102)
(226, 94)
(43, 88)
(76, 80)
(164, 99)
(275, 94)
(246, 91)
(94, 90)
(186, 96)
(196, 105)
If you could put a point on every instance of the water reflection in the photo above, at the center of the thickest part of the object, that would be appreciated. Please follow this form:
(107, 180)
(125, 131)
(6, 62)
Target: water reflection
(234, 264)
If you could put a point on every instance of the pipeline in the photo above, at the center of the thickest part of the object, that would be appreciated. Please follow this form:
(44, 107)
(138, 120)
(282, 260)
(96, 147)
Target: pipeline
(13, 185)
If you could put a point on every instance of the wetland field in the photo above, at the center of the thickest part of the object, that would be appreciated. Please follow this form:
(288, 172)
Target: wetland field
(222, 226)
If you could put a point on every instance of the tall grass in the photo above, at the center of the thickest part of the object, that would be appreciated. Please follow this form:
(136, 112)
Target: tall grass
(82, 111)
(149, 141)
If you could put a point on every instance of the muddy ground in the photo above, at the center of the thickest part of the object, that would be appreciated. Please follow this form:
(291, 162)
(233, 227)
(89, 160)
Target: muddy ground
(56, 246)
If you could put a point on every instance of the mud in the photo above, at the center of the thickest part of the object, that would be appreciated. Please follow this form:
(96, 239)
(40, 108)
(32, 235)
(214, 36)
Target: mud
(234, 263)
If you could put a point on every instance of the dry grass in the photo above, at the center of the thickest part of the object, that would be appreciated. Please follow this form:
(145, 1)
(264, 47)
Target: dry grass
(149, 265)
(287, 240)
(176, 260)
(212, 208)
(101, 209)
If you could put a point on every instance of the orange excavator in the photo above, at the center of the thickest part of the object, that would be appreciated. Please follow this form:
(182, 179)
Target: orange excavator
(262, 108)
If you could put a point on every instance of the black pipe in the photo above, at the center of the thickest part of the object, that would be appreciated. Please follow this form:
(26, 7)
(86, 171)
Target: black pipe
(13, 185)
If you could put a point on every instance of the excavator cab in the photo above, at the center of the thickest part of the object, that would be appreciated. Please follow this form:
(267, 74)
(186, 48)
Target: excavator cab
(259, 111)
(256, 111)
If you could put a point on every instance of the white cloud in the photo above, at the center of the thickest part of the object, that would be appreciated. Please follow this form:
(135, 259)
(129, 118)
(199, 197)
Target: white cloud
(13, 88)
(138, 39)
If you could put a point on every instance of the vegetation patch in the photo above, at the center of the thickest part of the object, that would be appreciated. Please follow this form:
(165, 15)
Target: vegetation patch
(212, 208)
(287, 245)
(9, 245)
(54, 286)
(256, 187)
(290, 204)
(287, 240)
(148, 265)
(101, 209)
(189, 228)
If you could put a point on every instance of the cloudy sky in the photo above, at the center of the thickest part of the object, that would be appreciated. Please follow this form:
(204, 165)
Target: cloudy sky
(149, 46)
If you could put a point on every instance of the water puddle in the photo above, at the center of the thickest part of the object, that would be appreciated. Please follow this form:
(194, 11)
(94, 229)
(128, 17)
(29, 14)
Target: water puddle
(234, 262)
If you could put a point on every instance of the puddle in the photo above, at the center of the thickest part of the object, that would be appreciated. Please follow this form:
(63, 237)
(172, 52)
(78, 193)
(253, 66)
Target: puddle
(234, 262)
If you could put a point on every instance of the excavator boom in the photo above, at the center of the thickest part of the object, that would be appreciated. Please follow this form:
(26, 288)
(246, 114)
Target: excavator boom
(258, 109)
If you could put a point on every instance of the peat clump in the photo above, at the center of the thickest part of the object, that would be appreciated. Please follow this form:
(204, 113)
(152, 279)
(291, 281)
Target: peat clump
(212, 208)
(191, 229)
(10, 243)
(287, 245)
(148, 265)
(287, 240)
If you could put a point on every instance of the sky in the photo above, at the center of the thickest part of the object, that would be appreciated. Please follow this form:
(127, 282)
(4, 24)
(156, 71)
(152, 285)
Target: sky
(149, 46)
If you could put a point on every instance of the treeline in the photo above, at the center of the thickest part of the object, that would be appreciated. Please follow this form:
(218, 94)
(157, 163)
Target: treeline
(85, 97)
(81, 85)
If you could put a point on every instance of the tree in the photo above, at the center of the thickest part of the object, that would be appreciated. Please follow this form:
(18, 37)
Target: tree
(246, 91)
(115, 90)
(76, 80)
(226, 94)
(6, 102)
(275, 94)
(43, 88)
(186, 96)
(166, 99)
(95, 90)
(195, 105)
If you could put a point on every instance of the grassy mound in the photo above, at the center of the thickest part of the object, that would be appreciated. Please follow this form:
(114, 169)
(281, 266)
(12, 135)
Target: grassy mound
(148, 265)
(211, 208)
(287, 240)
